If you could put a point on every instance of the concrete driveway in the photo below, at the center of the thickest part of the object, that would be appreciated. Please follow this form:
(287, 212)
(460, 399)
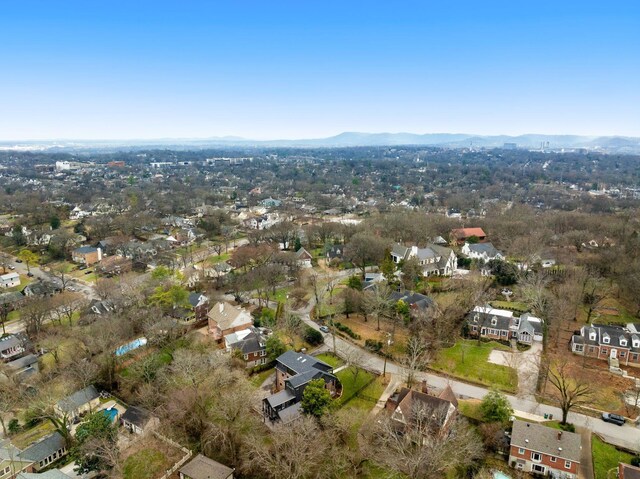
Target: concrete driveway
(527, 363)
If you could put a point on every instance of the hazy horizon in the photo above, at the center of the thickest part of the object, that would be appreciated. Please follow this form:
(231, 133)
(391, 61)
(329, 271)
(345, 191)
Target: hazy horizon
(166, 70)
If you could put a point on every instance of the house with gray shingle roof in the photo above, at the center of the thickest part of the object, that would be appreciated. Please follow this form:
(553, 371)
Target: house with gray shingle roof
(201, 467)
(503, 325)
(293, 372)
(545, 451)
(46, 451)
(50, 474)
(80, 402)
(481, 251)
(613, 343)
(434, 259)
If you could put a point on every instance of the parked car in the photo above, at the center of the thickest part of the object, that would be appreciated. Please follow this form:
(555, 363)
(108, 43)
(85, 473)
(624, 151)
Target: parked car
(507, 291)
(324, 329)
(613, 418)
(83, 266)
(30, 275)
(88, 272)
(12, 267)
(18, 261)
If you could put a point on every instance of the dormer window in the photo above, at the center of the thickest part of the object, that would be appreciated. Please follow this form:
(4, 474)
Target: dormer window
(592, 335)
(476, 317)
(494, 321)
(636, 343)
(605, 339)
(623, 341)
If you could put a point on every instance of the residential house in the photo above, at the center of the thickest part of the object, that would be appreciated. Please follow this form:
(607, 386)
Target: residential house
(626, 471)
(10, 461)
(138, 420)
(199, 304)
(201, 467)
(87, 255)
(41, 288)
(304, 258)
(114, 265)
(415, 301)
(293, 372)
(462, 235)
(251, 344)
(434, 259)
(617, 344)
(503, 325)
(79, 403)
(11, 300)
(101, 307)
(225, 319)
(335, 252)
(24, 366)
(270, 203)
(481, 251)
(9, 280)
(544, 451)
(46, 451)
(409, 408)
(12, 346)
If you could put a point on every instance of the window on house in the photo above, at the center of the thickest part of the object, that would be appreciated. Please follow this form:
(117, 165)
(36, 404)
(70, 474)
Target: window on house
(520, 450)
(536, 457)
(567, 464)
(605, 340)
(246, 356)
(605, 351)
(623, 354)
(553, 459)
(475, 328)
(592, 349)
(484, 331)
(504, 333)
(623, 342)
(578, 348)
(538, 468)
(635, 356)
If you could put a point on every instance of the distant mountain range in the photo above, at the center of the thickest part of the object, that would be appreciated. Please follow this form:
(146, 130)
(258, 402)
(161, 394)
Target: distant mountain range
(618, 144)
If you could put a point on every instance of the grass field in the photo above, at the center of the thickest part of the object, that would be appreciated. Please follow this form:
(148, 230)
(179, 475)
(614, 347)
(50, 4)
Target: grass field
(606, 457)
(468, 359)
(353, 383)
(511, 305)
(145, 464)
(26, 438)
(330, 359)
(259, 378)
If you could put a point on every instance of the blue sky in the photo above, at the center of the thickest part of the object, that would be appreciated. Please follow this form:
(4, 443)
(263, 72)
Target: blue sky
(306, 69)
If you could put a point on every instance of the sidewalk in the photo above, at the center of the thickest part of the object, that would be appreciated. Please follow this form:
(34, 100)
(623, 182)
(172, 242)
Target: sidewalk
(394, 382)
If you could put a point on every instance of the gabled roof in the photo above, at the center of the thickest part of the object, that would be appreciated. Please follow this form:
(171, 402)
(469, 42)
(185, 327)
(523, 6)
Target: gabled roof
(85, 250)
(10, 341)
(484, 248)
(201, 467)
(227, 316)
(44, 448)
(78, 399)
(301, 363)
(136, 415)
(410, 400)
(543, 439)
(462, 233)
(197, 299)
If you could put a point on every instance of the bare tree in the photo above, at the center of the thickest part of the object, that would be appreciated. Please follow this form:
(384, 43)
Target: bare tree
(573, 389)
(416, 358)
(423, 448)
(5, 261)
(34, 313)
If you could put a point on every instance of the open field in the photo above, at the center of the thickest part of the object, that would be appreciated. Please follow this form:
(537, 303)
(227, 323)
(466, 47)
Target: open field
(368, 330)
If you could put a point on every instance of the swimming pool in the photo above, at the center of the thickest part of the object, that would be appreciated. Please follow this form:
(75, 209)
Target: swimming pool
(135, 344)
(111, 413)
(500, 475)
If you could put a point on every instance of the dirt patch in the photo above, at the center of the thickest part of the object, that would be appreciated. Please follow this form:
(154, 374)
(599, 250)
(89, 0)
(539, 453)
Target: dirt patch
(369, 330)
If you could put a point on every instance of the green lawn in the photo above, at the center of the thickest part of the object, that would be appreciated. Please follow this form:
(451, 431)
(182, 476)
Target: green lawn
(218, 258)
(26, 438)
(468, 359)
(470, 408)
(353, 384)
(511, 305)
(368, 397)
(145, 464)
(606, 457)
(330, 359)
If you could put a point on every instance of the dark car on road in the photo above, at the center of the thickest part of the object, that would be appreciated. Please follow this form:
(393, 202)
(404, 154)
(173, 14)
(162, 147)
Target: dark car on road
(613, 418)
(324, 329)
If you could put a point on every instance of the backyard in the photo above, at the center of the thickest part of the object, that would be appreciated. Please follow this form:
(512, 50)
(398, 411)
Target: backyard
(149, 458)
(468, 359)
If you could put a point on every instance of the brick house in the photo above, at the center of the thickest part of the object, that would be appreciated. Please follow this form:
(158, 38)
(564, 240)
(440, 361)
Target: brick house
(199, 305)
(544, 451)
(225, 319)
(87, 255)
(251, 344)
(609, 343)
(503, 325)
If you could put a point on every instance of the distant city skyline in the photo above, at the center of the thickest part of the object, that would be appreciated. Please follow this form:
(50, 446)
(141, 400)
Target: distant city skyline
(301, 70)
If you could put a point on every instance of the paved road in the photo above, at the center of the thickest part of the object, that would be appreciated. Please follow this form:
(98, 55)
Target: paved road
(627, 436)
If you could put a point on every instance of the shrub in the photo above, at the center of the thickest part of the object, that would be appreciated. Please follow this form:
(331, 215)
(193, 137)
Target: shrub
(373, 345)
(312, 336)
(14, 426)
(635, 461)
(568, 427)
(346, 329)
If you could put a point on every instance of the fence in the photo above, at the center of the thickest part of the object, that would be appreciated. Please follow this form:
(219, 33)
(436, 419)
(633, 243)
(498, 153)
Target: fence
(181, 462)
